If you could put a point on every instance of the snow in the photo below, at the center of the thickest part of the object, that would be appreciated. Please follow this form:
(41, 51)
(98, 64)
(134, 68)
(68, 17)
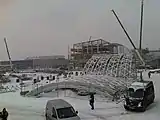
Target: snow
(26, 108)
(101, 84)
(155, 70)
(138, 85)
(90, 83)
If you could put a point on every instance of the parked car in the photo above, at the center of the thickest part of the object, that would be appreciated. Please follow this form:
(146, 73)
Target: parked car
(139, 96)
(59, 109)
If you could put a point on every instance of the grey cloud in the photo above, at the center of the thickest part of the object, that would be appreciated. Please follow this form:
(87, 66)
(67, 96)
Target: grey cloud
(47, 27)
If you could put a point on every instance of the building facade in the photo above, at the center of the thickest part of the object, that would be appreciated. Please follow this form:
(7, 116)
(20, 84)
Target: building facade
(19, 64)
(49, 63)
(80, 53)
(42, 62)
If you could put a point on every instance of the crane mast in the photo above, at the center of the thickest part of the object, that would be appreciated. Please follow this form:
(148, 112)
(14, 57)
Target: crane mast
(129, 38)
(9, 57)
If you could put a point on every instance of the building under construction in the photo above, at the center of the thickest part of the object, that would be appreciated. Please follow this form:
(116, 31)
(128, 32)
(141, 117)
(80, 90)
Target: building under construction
(80, 53)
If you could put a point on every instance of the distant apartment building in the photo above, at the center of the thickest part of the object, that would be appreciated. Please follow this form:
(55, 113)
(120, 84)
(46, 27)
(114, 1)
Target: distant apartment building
(40, 62)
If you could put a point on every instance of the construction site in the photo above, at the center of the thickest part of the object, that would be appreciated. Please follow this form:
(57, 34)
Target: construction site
(80, 53)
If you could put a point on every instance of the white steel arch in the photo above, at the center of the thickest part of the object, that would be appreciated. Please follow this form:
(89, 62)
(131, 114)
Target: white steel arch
(114, 65)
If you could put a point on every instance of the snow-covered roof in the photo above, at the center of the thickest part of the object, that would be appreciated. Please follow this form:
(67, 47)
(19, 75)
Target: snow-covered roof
(58, 103)
(140, 84)
(155, 70)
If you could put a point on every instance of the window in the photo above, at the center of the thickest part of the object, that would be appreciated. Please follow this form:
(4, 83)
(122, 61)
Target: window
(66, 112)
(135, 94)
(54, 113)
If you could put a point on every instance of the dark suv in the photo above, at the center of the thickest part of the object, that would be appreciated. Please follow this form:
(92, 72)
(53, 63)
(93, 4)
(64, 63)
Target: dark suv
(139, 95)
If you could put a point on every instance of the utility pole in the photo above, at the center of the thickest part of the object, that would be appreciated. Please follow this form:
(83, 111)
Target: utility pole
(141, 27)
(69, 61)
(141, 34)
(57, 85)
(68, 53)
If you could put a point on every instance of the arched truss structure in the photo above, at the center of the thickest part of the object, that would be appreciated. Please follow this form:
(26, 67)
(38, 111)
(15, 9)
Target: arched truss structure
(115, 65)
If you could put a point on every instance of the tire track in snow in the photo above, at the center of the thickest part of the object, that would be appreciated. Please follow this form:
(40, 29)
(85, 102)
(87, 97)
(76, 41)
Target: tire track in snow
(96, 114)
(102, 117)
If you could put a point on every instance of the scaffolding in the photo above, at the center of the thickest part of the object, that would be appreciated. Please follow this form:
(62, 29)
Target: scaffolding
(80, 53)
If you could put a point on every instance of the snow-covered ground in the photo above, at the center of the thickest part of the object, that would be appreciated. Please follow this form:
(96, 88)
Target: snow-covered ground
(24, 108)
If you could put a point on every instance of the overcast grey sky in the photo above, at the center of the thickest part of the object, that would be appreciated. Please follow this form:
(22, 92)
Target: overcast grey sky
(47, 27)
